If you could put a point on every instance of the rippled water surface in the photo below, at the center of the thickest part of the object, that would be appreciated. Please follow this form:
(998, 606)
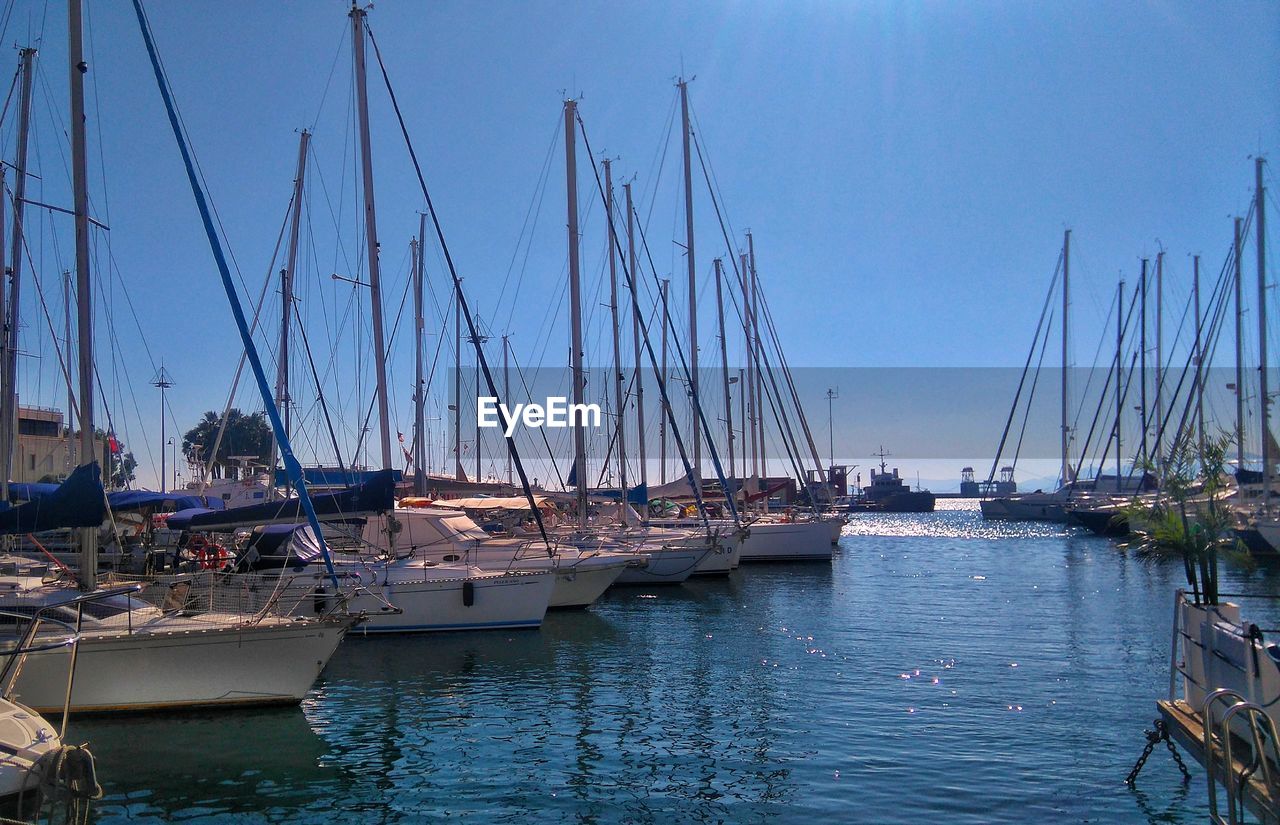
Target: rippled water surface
(940, 669)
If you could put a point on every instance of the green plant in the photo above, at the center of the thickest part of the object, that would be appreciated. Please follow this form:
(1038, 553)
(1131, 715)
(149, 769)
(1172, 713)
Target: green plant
(1187, 519)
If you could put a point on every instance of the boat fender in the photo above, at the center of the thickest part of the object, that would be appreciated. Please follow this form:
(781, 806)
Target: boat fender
(468, 593)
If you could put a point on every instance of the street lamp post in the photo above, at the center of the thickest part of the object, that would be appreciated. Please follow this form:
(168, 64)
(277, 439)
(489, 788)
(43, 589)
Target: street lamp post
(164, 381)
(832, 394)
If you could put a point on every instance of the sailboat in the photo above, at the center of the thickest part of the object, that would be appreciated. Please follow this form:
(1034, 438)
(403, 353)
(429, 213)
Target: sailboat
(1039, 505)
(134, 655)
(1261, 530)
(661, 557)
(399, 589)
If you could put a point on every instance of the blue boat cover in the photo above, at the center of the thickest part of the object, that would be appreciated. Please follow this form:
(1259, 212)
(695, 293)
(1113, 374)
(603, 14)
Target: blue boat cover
(181, 520)
(77, 502)
(137, 499)
(376, 495)
(333, 476)
(30, 492)
(635, 495)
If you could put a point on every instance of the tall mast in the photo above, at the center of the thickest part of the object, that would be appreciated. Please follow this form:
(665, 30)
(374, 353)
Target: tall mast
(724, 365)
(663, 288)
(742, 412)
(635, 334)
(1066, 304)
(506, 387)
(1119, 380)
(419, 381)
(9, 347)
(575, 305)
(1262, 338)
(620, 421)
(1159, 428)
(693, 279)
(1195, 285)
(476, 340)
(66, 344)
(371, 233)
(1142, 361)
(286, 298)
(758, 357)
(84, 295)
(458, 473)
(1239, 287)
(749, 402)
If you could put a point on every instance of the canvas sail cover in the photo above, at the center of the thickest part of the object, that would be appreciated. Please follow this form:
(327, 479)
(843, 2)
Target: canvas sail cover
(288, 540)
(79, 501)
(138, 499)
(376, 495)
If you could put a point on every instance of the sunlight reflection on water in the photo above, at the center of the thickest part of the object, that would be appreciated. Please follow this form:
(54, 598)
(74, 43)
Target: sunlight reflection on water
(939, 669)
(952, 518)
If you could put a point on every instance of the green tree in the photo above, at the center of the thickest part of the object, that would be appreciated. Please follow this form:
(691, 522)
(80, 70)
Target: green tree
(246, 435)
(1189, 519)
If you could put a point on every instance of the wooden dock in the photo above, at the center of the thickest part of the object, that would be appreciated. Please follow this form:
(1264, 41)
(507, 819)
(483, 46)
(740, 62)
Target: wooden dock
(1187, 728)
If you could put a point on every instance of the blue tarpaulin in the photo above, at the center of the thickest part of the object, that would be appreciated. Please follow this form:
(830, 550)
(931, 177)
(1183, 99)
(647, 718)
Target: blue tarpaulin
(122, 500)
(137, 499)
(30, 492)
(181, 520)
(374, 496)
(635, 495)
(334, 476)
(77, 502)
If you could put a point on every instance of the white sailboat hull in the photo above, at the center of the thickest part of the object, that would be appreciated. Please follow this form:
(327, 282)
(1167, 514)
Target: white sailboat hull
(723, 559)
(664, 566)
(787, 541)
(273, 662)
(580, 579)
(28, 740)
(1025, 508)
(582, 584)
(429, 604)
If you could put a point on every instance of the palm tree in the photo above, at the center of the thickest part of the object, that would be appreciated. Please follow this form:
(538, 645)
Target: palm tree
(245, 435)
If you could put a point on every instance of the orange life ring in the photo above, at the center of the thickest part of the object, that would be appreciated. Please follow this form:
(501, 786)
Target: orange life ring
(208, 555)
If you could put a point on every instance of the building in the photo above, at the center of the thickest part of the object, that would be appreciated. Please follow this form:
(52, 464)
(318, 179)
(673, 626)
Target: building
(42, 449)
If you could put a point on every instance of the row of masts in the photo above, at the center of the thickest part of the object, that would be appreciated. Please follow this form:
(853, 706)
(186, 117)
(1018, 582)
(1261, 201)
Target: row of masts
(1153, 455)
(753, 390)
(83, 412)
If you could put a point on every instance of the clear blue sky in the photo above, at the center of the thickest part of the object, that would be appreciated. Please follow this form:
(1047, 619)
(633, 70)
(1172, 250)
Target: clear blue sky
(907, 168)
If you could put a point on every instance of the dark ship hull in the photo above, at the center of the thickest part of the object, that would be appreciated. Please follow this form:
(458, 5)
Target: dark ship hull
(1102, 522)
(914, 501)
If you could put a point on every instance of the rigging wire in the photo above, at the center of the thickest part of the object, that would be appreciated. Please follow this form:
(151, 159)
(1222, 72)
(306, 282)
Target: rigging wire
(457, 283)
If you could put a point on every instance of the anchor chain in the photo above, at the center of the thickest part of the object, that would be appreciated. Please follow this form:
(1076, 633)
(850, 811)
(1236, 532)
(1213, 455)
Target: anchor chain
(1159, 734)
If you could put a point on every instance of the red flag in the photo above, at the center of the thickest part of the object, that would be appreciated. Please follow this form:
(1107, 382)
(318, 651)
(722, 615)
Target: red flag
(112, 444)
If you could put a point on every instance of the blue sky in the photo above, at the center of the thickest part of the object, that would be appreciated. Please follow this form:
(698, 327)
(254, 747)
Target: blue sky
(907, 169)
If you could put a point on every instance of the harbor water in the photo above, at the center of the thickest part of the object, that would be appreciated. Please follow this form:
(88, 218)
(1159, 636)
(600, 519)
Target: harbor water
(940, 669)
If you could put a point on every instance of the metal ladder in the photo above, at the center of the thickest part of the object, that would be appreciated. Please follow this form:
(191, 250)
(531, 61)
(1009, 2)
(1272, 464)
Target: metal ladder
(1265, 752)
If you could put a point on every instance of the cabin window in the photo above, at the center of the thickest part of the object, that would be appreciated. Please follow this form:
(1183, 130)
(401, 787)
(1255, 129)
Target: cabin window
(33, 461)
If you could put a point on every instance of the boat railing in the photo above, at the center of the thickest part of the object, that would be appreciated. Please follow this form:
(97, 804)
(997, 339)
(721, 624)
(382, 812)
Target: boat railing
(1261, 739)
(246, 596)
(65, 635)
